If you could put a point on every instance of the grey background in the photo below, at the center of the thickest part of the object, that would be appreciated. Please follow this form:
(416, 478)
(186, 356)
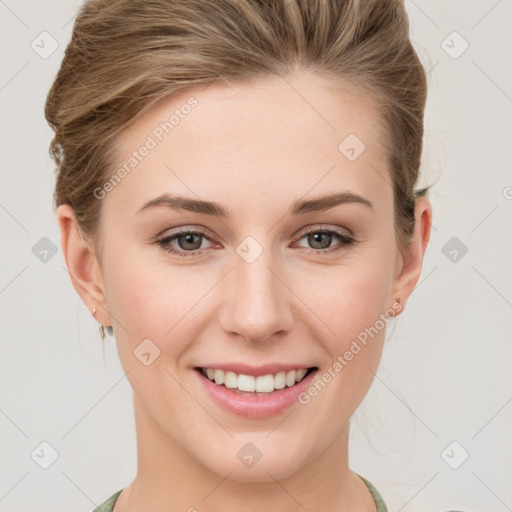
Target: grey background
(445, 374)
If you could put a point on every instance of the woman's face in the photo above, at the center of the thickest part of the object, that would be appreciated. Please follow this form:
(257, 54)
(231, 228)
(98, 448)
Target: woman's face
(269, 283)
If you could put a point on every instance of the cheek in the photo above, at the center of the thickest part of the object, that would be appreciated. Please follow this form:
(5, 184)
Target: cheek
(154, 299)
(354, 309)
(351, 298)
(142, 292)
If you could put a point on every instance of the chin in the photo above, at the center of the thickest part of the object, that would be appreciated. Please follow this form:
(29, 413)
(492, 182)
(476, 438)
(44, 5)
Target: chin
(278, 466)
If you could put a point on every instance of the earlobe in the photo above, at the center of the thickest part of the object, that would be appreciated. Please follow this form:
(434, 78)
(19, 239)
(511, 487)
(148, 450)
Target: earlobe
(81, 262)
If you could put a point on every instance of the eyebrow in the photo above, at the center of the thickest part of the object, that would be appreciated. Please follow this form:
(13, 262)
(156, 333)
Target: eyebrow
(215, 209)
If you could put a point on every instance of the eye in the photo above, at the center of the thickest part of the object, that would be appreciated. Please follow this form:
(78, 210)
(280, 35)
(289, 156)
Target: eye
(189, 242)
(320, 240)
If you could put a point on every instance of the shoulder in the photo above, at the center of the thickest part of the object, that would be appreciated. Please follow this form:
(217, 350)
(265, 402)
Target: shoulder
(379, 502)
(108, 505)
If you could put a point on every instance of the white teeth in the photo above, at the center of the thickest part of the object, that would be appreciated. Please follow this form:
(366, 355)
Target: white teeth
(246, 383)
(265, 383)
(219, 377)
(280, 380)
(249, 383)
(290, 378)
(301, 373)
(230, 379)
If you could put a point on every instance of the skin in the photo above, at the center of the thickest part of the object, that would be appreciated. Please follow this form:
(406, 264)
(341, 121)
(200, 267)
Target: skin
(254, 149)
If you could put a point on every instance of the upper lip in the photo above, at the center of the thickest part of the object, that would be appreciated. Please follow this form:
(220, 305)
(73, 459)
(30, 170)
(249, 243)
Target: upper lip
(255, 371)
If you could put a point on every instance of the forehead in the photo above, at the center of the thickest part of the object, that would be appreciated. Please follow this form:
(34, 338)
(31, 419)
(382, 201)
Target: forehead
(283, 136)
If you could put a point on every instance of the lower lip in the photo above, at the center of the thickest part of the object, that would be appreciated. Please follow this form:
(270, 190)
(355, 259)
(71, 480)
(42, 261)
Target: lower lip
(255, 406)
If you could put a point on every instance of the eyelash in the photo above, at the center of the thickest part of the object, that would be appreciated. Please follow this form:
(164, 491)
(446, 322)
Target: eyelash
(345, 239)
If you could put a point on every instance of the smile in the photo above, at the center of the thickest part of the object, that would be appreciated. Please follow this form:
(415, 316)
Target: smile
(259, 385)
(254, 391)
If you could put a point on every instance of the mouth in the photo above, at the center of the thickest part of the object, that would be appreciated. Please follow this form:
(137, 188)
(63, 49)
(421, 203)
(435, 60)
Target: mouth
(251, 385)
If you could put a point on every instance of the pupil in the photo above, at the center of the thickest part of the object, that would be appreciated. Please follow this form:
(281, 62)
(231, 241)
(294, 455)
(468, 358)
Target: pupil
(189, 239)
(314, 236)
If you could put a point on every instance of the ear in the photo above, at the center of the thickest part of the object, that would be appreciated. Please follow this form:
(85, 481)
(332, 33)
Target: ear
(82, 264)
(410, 261)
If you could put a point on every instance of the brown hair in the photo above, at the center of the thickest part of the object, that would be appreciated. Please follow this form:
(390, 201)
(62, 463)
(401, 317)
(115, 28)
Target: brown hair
(125, 55)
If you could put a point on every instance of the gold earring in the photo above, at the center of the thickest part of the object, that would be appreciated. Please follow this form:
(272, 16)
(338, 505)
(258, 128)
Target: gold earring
(102, 327)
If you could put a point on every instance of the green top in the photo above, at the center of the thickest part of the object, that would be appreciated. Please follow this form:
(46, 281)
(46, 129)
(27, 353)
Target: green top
(108, 505)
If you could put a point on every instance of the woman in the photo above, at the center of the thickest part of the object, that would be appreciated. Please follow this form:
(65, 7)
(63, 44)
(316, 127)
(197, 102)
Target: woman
(237, 204)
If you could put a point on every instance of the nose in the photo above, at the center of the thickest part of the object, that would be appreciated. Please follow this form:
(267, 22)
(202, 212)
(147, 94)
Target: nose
(257, 304)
